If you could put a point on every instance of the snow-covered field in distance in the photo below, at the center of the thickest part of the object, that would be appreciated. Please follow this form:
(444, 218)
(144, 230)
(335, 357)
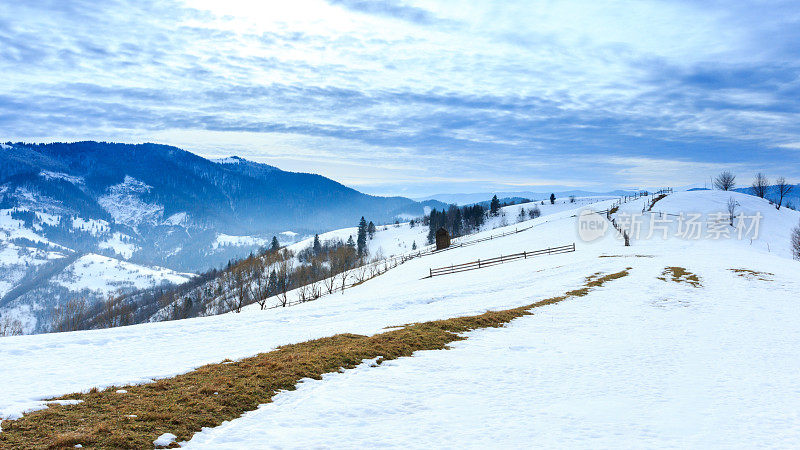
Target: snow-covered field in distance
(639, 362)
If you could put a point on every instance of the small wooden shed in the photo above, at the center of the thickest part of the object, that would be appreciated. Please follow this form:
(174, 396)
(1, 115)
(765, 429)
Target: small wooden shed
(442, 239)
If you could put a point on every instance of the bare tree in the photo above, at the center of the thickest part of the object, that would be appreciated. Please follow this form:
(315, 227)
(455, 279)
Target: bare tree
(784, 189)
(260, 283)
(760, 185)
(69, 316)
(732, 204)
(796, 242)
(284, 272)
(725, 181)
(115, 312)
(10, 327)
(239, 293)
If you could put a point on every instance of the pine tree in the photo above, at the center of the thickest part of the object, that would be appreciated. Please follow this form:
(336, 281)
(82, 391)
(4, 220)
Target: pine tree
(361, 240)
(552, 199)
(494, 206)
(275, 246)
(371, 230)
(272, 284)
(414, 245)
(350, 242)
(317, 245)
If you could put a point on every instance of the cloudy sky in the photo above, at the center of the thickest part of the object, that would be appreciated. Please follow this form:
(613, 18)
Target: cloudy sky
(414, 98)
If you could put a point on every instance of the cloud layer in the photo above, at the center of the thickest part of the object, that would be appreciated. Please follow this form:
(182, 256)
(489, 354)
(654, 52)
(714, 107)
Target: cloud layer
(419, 97)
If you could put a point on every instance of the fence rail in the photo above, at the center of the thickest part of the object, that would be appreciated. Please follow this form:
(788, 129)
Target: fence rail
(481, 263)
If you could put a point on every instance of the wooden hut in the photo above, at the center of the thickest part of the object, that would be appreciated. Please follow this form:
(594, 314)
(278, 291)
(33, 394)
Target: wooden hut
(442, 239)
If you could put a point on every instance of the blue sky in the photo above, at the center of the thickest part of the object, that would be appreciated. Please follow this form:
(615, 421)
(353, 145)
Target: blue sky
(415, 98)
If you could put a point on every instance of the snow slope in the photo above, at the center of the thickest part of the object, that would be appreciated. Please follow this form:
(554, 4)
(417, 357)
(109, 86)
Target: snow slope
(101, 273)
(639, 362)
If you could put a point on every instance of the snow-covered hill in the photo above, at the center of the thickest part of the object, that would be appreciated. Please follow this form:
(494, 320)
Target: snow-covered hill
(657, 358)
(148, 209)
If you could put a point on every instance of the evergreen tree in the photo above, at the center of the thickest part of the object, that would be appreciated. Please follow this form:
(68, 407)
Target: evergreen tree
(552, 199)
(317, 245)
(272, 284)
(414, 245)
(361, 240)
(275, 246)
(350, 242)
(494, 207)
(371, 230)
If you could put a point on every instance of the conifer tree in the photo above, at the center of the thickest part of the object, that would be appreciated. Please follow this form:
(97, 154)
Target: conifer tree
(272, 284)
(350, 242)
(371, 230)
(317, 245)
(494, 206)
(275, 246)
(361, 239)
(552, 199)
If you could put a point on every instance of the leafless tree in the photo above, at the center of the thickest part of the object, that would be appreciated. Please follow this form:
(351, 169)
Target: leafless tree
(784, 189)
(732, 205)
(115, 312)
(760, 185)
(69, 316)
(796, 242)
(240, 291)
(725, 181)
(284, 272)
(260, 282)
(10, 327)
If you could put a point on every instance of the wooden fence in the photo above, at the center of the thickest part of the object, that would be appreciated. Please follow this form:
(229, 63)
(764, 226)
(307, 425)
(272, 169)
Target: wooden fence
(481, 263)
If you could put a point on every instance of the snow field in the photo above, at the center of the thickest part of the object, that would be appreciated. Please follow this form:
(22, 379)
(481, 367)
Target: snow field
(638, 362)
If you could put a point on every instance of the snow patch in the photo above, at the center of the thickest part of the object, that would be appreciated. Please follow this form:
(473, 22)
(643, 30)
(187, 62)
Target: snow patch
(123, 201)
(224, 240)
(93, 226)
(48, 175)
(103, 274)
(165, 440)
(119, 245)
(177, 219)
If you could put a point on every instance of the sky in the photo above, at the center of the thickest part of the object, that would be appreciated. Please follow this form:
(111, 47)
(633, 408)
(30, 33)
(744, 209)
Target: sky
(414, 98)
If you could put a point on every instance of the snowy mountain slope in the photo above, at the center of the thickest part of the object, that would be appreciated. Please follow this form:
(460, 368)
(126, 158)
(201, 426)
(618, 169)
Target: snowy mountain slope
(165, 198)
(158, 209)
(641, 360)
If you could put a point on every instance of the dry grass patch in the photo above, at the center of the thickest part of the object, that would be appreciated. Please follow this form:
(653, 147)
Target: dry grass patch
(626, 256)
(680, 275)
(214, 393)
(753, 274)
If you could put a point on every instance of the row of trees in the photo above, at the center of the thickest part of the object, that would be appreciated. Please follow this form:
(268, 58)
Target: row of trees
(458, 221)
(726, 181)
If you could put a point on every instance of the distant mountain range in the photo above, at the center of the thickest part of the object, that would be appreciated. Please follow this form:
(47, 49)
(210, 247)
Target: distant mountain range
(73, 213)
(478, 197)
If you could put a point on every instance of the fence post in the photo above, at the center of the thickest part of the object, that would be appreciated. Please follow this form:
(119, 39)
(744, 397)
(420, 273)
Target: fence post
(525, 254)
(479, 264)
(431, 275)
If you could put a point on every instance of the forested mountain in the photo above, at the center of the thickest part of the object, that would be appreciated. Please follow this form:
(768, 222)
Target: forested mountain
(69, 210)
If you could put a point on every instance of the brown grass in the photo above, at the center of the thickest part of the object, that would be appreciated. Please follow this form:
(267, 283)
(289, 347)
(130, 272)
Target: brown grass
(753, 274)
(214, 393)
(680, 275)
